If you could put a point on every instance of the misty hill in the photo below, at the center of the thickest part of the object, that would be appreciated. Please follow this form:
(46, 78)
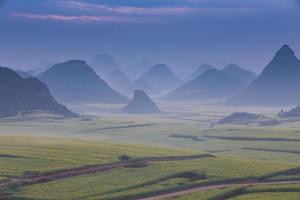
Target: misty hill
(142, 84)
(141, 104)
(139, 69)
(75, 81)
(26, 95)
(293, 113)
(244, 75)
(212, 84)
(199, 71)
(162, 78)
(119, 81)
(278, 84)
(241, 118)
(103, 64)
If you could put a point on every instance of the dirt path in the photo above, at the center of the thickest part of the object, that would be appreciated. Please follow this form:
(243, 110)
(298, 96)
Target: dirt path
(217, 186)
(142, 162)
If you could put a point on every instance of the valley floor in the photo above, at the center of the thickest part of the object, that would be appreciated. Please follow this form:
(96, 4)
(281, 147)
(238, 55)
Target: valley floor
(110, 155)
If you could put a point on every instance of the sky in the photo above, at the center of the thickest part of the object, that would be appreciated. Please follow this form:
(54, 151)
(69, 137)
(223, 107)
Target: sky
(181, 33)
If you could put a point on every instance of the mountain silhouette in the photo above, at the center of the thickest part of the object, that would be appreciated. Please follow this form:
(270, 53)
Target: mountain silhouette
(26, 95)
(119, 81)
(74, 81)
(244, 75)
(162, 78)
(212, 84)
(141, 104)
(103, 64)
(199, 71)
(278, 84)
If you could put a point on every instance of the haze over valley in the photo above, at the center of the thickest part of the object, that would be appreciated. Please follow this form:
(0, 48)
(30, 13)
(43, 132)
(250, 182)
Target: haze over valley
(149, 100)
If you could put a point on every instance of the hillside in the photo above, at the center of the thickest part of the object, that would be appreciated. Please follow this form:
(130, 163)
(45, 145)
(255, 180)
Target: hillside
(119, 81)
(212, 84)
(278, 84)
(26, 95)
(162, 78)
(141, 104)
(74, 81)
(199, 71)
(244, 75)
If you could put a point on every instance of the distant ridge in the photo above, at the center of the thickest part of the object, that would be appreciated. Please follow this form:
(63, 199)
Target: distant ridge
(141, 104)
(119, 81)
(26, 95)
(139, 69)
(244, 75)
(199, 71)
(212, 84)
(74, 81)
(162, 78)
(278, 84)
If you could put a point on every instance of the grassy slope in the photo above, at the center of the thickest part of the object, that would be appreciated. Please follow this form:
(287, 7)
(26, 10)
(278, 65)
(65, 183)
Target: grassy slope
(71, 153)
(42, 154)
(190, 119)
(268, 192)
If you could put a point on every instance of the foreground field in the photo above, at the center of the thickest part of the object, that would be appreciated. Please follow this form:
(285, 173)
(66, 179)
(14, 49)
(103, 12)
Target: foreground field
(52, 153)
(178, 169)
(264, 192)
(24, 155)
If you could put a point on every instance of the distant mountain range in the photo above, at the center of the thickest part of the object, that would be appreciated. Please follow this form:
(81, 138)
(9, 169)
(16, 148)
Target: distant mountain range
(278, 84)
(74, 81)
(142, 84)
(141, 104)
(162, 78)
(212, 84)
(103, 64)
(26, 95)
(244, 75)
(199, 71)
(138, 69)
(119, 81)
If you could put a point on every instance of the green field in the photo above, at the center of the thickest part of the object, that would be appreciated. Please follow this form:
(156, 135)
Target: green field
(37, 146)
(286, 192)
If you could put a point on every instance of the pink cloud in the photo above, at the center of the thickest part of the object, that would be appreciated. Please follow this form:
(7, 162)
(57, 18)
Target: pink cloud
(154, 12)
(68, 18)
(128, 9)
(84, 18)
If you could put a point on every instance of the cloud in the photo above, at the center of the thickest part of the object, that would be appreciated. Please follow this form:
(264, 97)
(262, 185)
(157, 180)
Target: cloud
(127, 10)
(84, 12)
(67, 18)
(204, 9)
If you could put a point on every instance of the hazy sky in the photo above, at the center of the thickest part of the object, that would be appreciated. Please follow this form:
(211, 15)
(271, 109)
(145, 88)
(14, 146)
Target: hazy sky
(181, 33)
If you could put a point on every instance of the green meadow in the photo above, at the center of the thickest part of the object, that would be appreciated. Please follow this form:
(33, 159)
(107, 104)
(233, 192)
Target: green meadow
(37, 146)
